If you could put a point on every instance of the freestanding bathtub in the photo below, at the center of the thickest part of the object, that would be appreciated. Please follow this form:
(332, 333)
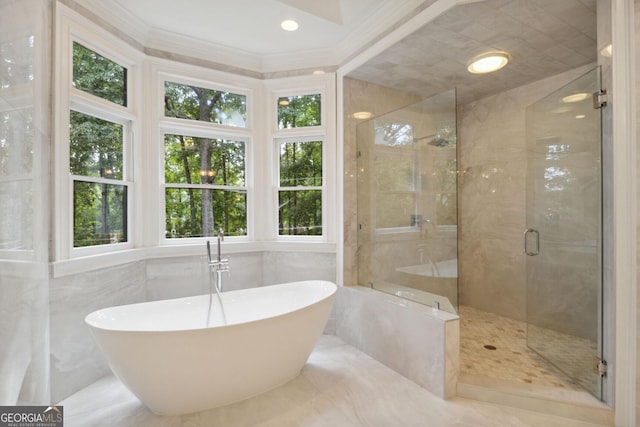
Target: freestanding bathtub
(440, 278)
(175, 363)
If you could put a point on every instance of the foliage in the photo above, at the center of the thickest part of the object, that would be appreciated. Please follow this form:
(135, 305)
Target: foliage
(196, 103)
(99, 214)
(299, 111)
(99, 76)
(96, 150)
(300, 211)
(205, 178)
(184, 206)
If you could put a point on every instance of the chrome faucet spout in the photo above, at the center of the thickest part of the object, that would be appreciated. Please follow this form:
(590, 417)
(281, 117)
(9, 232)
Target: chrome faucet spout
(220, 239)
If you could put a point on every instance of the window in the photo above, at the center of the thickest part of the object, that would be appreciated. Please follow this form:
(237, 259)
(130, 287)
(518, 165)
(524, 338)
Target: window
(99, 76)
(300, 190)
(98, 141)
(191, 102)
(299, 111)
(204, 186)
(205, 172)
(300, 146)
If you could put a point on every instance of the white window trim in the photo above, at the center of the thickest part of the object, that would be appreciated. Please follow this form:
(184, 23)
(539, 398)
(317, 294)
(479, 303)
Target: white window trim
(304, 85)
(146, 208)
(73, 27)
(191, 75)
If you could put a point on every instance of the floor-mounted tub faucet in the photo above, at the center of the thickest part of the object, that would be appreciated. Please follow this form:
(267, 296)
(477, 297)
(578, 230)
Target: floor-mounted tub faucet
(220, 265)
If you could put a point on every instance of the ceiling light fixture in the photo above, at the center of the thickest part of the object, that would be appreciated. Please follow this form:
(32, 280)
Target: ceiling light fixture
(362, 115)
(607, 50)
(576, 97)
(488, 62)
(289, 25)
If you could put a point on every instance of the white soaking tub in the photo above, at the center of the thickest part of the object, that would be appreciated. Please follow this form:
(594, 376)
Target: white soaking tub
(176, 363)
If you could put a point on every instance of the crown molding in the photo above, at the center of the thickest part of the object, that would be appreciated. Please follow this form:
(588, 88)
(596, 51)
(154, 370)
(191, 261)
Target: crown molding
(300, 60)
(113, 18)
(173, 43)
(159, 42)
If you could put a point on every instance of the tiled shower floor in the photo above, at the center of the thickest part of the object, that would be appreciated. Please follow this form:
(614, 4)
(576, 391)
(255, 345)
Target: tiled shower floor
(511, 360)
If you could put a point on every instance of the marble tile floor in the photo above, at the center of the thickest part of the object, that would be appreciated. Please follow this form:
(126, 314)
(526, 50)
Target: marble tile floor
(509, 358)
(339, 386)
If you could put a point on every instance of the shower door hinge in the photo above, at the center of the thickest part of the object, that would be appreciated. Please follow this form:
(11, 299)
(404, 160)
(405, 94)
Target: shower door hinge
(599, 366)
(600, 99)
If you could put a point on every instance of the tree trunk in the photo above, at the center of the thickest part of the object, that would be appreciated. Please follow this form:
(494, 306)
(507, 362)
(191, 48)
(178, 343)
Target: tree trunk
(205, 109)
(187, 172)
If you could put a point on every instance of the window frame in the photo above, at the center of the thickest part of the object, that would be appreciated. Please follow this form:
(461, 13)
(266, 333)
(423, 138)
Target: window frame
(75, 28)
(191, 75)
(146, 216)
(324, 85)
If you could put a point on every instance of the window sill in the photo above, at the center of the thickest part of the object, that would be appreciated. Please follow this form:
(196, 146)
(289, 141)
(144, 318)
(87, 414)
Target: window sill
(112, 259)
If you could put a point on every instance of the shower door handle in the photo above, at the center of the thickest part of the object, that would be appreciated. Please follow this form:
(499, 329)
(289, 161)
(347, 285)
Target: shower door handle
(525, 246)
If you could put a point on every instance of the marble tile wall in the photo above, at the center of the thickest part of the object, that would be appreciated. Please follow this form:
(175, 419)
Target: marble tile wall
(185, 276)
(492, 186)
(24, 178)
(76, 361)
(24, 334)
(407, 337)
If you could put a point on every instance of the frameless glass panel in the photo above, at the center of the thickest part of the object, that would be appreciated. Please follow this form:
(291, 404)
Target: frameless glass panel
(393, 133)
(191, 160)
(407, 202)
(395, 171)
(299, 111)
(99, 213)
(564, 235)
(99, 76)
(445, 180)
(16, 142)
(393, 209)
(197, 212)
(300, 213)
(16, 210)
(16, 67)
(301, 164)
(190, 102)
(95, 147)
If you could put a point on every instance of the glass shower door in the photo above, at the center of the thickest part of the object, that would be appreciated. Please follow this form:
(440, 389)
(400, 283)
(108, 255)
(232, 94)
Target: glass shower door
(563, 241)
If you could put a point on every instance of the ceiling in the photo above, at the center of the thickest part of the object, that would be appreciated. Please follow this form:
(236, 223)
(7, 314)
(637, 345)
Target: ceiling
(247, 33)
(543, 37)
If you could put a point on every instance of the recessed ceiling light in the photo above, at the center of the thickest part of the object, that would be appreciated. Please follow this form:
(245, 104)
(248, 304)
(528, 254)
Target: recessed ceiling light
(318, 72)
(283, 101)
(362, 115)
(289, 25)
(580, 116)
(488, 62)
(576, 97)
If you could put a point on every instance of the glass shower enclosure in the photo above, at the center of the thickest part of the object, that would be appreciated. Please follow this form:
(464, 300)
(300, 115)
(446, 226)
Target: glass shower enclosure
(407, 202)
